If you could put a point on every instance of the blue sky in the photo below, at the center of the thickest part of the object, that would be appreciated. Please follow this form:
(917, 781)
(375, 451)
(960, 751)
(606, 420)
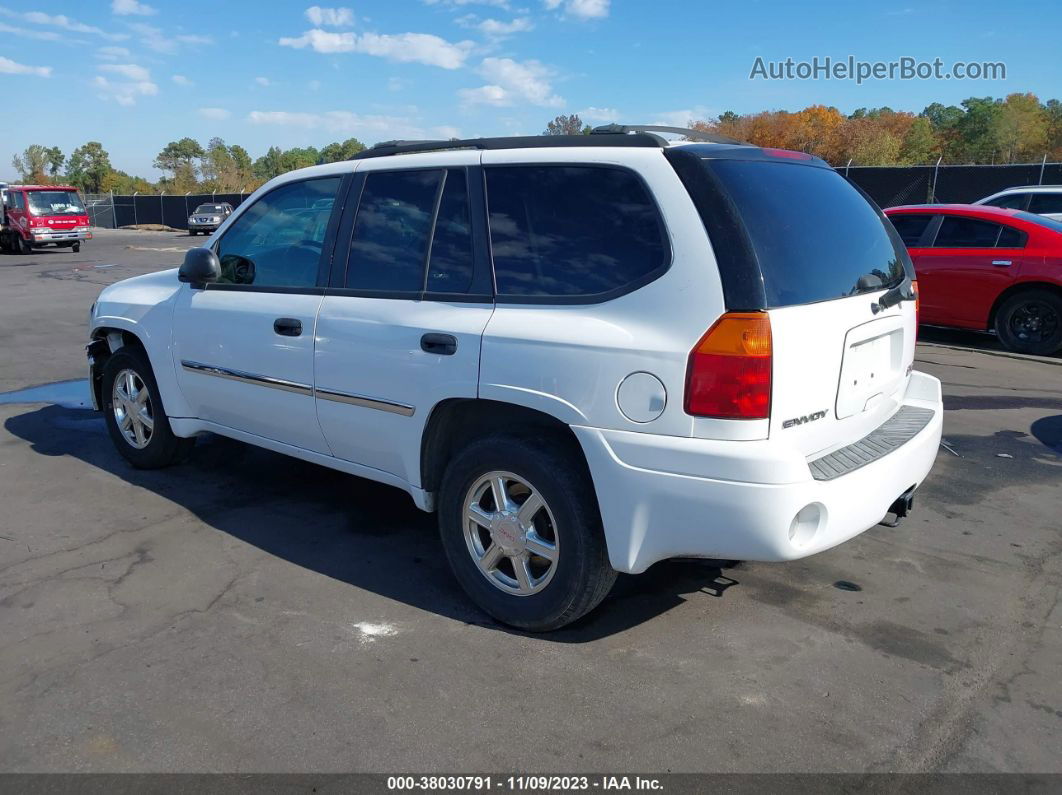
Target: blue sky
(135, 75)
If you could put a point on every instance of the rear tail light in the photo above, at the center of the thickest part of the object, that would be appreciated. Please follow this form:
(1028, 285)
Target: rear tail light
(729, 371)
(914, 289)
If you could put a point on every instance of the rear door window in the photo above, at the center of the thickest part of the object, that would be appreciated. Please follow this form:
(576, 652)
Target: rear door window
(1012, 201)
(450, 268)
(958, 232)
(572, 232)
(1046, 203)
(389, 246)
(911, 227)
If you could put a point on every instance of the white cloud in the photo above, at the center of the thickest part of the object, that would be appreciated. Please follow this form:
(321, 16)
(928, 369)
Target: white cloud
(681, 118)
(330, 17)
(262, 81)
(494, 3)
(494, 28)
(422, 48)
(510, 82)
(342, 121)
(599, 114)
(59, 21)
(214, 114)
(131, 81)
(112, 53)
(129, 71)
(7, 66)
(156, 39)
(126, 7)
(581, 9)
(26, 33)
(181, 80)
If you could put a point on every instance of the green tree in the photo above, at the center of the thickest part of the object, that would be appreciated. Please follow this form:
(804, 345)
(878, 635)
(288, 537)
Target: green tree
(55, 160)
(977, 140)
(244, 168)
(564, 125)
(178, 157)
(270, 164)
(88, 166)
(920, 144)
(335, 152)
(32, 164)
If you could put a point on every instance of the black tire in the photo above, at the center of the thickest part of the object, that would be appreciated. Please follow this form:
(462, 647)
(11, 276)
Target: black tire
(76, 247)
(1031, 322)
(554, 467)
(192, 233)
(22, 246)
(162, 448)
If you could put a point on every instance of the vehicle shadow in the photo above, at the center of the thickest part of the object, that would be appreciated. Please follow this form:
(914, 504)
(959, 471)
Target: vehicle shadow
(978, 340)
(353, 530)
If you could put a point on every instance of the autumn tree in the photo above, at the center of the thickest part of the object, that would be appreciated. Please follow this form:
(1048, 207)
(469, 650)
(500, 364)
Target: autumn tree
(32, 164)
(1019, 129)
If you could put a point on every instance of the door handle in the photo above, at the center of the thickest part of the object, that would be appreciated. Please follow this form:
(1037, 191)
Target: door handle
(442, 344)
(287, 326)
(1002, 262)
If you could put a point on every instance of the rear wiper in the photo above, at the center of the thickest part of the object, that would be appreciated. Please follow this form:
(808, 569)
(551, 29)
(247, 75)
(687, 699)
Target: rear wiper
(898, 294)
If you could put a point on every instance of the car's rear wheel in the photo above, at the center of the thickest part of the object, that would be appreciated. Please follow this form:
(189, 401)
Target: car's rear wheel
(23, 246)
(1031, 322)
(133, 411)
(520, 526)
(76, 247)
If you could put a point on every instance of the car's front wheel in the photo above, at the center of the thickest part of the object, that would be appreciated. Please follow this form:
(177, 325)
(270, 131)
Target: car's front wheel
(132, 409)
(1031, 322)
(521, 528)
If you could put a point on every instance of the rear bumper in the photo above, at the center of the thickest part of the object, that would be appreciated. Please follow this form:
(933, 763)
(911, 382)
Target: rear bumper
(664, 496)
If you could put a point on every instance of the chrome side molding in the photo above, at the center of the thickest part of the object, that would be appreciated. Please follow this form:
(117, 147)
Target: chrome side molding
(248, 378)
(299, 389)
(366, 402)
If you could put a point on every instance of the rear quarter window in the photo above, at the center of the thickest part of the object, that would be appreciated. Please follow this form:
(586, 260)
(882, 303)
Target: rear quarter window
(572, 233)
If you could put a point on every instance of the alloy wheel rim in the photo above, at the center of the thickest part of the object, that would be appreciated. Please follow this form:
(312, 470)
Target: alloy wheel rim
(133, 412)
(510, 533)
(1034, 321)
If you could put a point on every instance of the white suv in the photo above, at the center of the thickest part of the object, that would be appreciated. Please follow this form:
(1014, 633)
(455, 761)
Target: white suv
(587, 354)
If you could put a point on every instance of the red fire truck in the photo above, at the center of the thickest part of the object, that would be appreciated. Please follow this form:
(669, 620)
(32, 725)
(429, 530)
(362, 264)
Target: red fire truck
(35, 215)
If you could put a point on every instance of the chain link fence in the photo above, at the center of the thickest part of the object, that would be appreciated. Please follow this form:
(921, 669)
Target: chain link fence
(886, 185)
(115, 210)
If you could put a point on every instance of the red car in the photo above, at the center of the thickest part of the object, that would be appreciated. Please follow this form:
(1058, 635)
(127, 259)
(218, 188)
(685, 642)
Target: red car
(986, 268)
(35, 215)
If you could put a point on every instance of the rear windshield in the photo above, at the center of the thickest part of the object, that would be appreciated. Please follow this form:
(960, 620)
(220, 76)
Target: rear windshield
(55, 202)
(814, 236)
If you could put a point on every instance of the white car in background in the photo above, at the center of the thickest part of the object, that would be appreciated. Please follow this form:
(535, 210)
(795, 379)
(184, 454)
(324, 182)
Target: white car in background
(1038, 199)
(586, 353)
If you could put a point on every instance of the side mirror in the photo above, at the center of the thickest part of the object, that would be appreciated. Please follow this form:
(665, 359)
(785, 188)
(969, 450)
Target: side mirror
(201, 266)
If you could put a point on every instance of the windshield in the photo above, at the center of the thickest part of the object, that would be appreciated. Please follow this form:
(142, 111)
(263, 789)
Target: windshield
(1039, 220)
(55, 202)
(209, 208)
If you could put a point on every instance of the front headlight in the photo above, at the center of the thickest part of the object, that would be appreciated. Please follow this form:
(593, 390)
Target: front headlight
(215, 220)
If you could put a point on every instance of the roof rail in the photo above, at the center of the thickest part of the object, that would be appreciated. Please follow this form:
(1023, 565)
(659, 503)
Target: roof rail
(693, 135)
(386, 148)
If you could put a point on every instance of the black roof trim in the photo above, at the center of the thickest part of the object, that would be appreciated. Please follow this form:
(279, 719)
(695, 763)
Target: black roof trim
(387, 148)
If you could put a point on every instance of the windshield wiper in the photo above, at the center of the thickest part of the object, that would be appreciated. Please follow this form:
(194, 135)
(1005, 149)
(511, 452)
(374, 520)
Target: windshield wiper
(898, 294)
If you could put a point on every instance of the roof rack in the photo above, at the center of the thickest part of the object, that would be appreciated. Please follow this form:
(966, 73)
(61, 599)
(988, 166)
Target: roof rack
(608, 135)
(693, 135)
